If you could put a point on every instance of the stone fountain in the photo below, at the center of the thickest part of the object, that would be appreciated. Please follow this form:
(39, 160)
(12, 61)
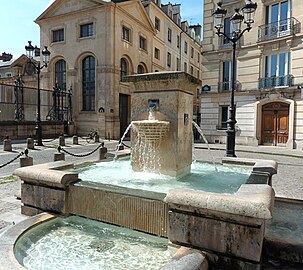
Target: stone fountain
(165, 128)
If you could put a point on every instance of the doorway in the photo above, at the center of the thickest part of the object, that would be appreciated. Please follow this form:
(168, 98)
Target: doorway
(275, 124)
(124, 114)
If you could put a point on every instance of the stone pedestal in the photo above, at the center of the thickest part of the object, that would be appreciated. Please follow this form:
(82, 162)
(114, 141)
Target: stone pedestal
(96, 138)
(102, 153)
(26, 161)
(75, 140)
(7, 145)
(169, 96)
(59, 156)
(30, 143)
(61, 141)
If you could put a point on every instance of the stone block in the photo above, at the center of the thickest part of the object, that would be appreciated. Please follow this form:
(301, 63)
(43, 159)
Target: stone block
(26, 161)
(96, 138)
(59, 156)
(30, 143)
(61, 141)
(30, 211)
(210, 233)
(7, 145)
(43, 198)
(75, 140)
(102, 153)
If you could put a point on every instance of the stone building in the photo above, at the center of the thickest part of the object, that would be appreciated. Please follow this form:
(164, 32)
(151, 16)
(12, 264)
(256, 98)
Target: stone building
(269, 69)
(93, 44)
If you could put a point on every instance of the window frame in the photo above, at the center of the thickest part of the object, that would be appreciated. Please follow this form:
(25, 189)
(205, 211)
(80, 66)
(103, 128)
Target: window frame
(89, 30)
(143, 43)
(88, 84)
(169, 34)
(157, 53)
(61, 35)
(126, 37)
(157, 24)
(168, 60)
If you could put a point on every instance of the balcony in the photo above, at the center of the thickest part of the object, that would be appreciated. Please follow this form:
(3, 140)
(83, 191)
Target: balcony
(224, 87)
(276, 81)
(278, 29)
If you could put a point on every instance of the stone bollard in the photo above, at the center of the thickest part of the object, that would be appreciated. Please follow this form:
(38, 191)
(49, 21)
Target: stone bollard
(30, 143)
(7, 144)
(59, 156)
(26, 161)
(102, 152)
(97, 138)
(75, 140)
(61, 141)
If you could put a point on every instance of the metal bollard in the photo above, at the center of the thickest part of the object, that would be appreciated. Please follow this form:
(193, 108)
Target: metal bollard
(61, 141)
(7, 144)
(102, 152)
(26, 161)
(97, 138)
(30, 143)
(75, 140)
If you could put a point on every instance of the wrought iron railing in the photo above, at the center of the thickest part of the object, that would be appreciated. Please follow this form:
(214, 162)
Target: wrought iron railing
(224, 43)
(278, 29)
(276, 81)
(226, 86)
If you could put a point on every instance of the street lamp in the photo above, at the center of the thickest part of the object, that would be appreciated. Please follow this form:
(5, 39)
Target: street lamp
(219, 14)
(30, 52)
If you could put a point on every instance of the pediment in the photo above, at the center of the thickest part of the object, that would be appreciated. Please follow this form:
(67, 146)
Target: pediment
(61, 7)
(136, 10)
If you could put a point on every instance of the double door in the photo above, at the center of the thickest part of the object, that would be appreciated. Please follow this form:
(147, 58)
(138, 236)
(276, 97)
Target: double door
(275, 123)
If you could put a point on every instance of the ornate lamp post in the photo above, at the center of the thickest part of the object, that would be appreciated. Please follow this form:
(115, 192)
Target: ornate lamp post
(248, 16)
(30, 52)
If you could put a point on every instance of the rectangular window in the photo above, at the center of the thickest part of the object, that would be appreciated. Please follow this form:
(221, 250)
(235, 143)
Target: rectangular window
(277, 16)
(125, 33)
(198, 74)
(168, 59)
(58, 35)
(277, 68)
(178, 41)
(185, 67)
(87, 30)
(226, 78)
(142, 44)
(192, 52)
(178, 64)
(191, 70)
(227, 29)
(157, 53)
(157, 23)
(169, 34)
(198, 55)
(223, 117)
(185, 47)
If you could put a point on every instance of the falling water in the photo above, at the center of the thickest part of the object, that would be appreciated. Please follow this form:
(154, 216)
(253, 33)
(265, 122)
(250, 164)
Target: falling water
(205, 140)
(121, 140)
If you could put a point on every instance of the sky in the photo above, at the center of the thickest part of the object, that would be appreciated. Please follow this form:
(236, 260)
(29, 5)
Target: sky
(18, 26)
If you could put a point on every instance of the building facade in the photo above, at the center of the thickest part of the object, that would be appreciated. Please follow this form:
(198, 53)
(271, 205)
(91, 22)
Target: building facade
(269, 71)
(93, 44)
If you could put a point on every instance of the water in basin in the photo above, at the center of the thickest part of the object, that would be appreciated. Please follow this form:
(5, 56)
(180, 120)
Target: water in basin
(203, 176)
(78, 243)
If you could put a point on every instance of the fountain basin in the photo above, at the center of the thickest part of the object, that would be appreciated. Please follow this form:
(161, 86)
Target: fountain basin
(142, 210)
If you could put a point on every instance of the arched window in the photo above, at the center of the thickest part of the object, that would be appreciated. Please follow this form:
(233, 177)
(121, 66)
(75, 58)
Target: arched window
(141, 69)
(88, 83)
(60, 74)
(123, 68)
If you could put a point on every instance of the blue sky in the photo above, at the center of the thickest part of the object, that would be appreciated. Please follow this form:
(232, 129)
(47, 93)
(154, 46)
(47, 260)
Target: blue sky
(18, 26)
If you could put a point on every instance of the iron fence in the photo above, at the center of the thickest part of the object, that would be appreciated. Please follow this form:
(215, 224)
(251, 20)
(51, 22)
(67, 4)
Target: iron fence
(19, 103)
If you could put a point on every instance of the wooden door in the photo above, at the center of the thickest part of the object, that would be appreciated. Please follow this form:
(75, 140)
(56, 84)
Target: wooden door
(275, 122)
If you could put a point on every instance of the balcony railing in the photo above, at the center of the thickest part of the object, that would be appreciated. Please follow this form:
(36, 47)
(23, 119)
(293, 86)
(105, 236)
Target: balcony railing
(278, 29)
(276, 81)
(226, 86)
(224, 43)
